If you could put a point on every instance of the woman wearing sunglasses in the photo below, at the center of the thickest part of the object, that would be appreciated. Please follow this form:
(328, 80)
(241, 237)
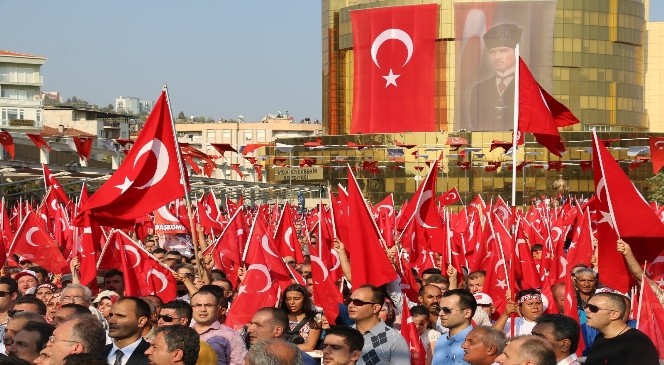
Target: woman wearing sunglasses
(304, 322)
(528, 306)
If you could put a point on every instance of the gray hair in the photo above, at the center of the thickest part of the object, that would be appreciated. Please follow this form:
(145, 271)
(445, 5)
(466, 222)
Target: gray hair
(274, 352)
(89, 332)
(492, 337)
(87, 293)
(536, 349)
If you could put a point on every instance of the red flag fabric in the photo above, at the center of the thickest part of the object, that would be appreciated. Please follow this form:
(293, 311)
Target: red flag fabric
(409, 332)
(83, 146)
(223, 148)
(651, 316)
(285, 236)
(165, 222)
(147, 179)
(7, 142)
(143, 274)
(623, 213)
(51, 182)
(87, 249)
(540, 113)
(252, 147)
(394, 50)
(38, 140)
(236, 167)
(326, 295)
(657, 153)
(449, 197)
(456, 142)
(369, 263)
(32, 241)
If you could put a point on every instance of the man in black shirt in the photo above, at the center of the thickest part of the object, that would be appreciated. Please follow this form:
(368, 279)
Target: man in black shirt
(617, 343)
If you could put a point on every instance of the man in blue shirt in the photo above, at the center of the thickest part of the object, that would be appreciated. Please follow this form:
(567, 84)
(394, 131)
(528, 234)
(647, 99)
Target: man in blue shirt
(457, 308)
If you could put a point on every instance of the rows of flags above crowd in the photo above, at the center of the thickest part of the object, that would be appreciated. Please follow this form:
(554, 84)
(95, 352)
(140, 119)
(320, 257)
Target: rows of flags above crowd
(384, 242)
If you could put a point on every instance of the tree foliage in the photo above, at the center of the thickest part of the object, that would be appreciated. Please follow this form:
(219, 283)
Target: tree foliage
(656, 188)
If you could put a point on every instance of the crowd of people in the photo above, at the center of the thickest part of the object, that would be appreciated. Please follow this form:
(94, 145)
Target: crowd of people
(53, 319)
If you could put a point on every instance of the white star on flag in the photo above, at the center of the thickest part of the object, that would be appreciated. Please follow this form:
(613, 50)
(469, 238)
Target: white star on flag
(502, 284)
(391, 79)
(606, 217)
(124, 186)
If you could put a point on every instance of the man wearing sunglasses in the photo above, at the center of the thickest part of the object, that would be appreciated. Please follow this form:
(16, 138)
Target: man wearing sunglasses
(617, 343)
(382, 344)
(175, 312)
(8, 295)
(457, 308)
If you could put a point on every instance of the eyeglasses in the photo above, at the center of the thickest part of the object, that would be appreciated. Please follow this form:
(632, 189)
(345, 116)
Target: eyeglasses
(11, 312)
(4, 294)
(359, 303)
(167, 318)
(52, 339)
(447, 310)
(290, 262)
(594, 309)
(75, 299)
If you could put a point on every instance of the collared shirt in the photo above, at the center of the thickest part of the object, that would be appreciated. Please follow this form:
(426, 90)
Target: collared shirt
(522, 327)
(127, 351)
(227, 343)
(569, 360)
(384, 345)
(448, 350)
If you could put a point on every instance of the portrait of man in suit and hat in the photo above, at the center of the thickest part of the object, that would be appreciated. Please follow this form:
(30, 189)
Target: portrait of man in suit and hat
(492, 100)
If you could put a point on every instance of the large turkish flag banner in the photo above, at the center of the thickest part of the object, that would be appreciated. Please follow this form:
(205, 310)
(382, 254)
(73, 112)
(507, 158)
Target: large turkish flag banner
(393, 87)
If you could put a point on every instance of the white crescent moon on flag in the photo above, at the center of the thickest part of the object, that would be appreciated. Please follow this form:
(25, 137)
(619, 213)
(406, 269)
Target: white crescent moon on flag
(136, 255)
(287, 238)
(166, 214)
(161, 277)
(161, 154)
(601, 184)
(426, 195)
(501, 261)
(262, 268)
(389, 208)
(337, 260)
(658, 143)
(28, 236)
(388, 34)
(452, 196)
(563, 263)
(557, 230)
(54, 204)
(658, 260)
(322, 266)
(265, 243)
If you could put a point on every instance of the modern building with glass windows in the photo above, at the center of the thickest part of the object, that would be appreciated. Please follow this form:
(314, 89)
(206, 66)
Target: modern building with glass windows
(598, 71)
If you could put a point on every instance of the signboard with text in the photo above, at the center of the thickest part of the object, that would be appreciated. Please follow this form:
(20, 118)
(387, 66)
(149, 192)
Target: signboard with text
(286, 174)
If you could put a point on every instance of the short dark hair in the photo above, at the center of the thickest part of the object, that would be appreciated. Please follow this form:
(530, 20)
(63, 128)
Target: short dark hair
(218, 292)
(113, 272)
(419, 310)
(564, 327)
(158, 250)
(423, 288)
(437, 279)
(225, 280)
(466, 299)
(377, 294)
(352, 337)
(184, 338)
(31, 299)
(90, 333)
(476, 275)
(78, 309)
(84, 358)
(40, 270)
(432, 270)
(182, 308)
(173, 252)
(536, 247)
(11, 283)
(278, 317)
(142, 307)
(44, 330)
(208, 292)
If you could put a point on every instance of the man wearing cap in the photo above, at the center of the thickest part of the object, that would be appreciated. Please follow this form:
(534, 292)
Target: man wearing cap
(27, 281)
(492, 100)
(484, 304)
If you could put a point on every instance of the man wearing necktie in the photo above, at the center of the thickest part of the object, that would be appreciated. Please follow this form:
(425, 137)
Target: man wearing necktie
(492, 100)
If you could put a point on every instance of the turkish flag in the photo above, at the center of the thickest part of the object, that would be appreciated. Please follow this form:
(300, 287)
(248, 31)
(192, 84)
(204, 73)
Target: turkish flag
(449, 197)
(33, 241)
(325, 294)
(165, 222)
(540, 113)
(83, 146)
(51, 182)
(147, 179)
(409, 332)
(369, 263)
(226, 251)
(285, 236)
(657, 153)
(143, 274)
(651, 316)
(395, 58)
(7, 142)
(39, 141)
(623, 213)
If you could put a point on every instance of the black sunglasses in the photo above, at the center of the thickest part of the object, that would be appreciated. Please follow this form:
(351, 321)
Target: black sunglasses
(11, 312)
(166, 318)
(446, 310)
(594, 309)
(359, 303)
(4, 294)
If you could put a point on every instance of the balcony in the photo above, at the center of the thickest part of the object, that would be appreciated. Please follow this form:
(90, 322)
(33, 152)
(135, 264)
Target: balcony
(14, 79)
(23, 103)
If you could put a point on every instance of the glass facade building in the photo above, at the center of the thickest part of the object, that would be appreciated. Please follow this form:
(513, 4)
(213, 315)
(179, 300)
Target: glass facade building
(598, 72)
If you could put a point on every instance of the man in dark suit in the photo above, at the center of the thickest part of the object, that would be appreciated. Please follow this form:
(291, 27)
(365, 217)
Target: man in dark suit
(492, 100)
(125, 326)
